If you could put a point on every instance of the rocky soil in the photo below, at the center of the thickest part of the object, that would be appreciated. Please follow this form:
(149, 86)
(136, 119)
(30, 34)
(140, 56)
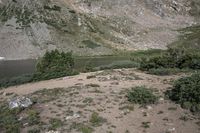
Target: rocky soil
(96, 102)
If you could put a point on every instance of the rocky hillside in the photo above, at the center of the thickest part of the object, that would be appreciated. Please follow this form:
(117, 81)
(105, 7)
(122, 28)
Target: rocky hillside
(90, 27)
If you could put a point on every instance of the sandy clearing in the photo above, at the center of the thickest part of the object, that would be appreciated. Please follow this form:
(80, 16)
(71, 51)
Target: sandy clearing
(65, 82)
(109, 100)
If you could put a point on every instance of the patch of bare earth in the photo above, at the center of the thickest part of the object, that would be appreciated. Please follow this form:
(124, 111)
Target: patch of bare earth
(73, 100)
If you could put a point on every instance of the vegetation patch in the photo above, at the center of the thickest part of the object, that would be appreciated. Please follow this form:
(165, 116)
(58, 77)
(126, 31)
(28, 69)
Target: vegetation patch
(9, 120)
(52, 8)
(86, 129)
(96, 120)
(137, 56)
(13, 120)
(146, 124)
(91, 76)
(33, 117)
(141, 95)
(118, 65)
(6, 82)
(92, 85)
(88, 100)
(55, 64)
(81, 127)
(127, 107)
(90, 44)
(55, 123)
(166, 71)
(188, 40)
(35, 130)
(47, 95)
(186, 92)
(180, 55)
(174, 58)
(195, 10)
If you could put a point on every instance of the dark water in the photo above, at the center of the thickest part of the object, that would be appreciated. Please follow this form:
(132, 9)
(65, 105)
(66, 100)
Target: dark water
(16, 68)
(20, 67)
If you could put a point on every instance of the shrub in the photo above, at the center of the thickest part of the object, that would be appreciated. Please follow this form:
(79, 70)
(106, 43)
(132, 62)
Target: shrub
(96, 120)
(55, 123)
(90, 44)
(119, 64)
(54, 8)
(141, 95)
(81, 127)
(9, 122)
(91, 76)
(92, 85)
(6, 82)
(138, 55)
(55, 64)
(165, 71)
(183, 53)
(173, 58)
(34, 131)
(33, 117)
(86, 129)
(146, 124)
(186, 91)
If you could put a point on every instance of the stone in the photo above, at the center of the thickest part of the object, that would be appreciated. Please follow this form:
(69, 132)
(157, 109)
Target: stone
(23, 102)
(52, 131)
(75, 116)
(149, 107)
(171, 130)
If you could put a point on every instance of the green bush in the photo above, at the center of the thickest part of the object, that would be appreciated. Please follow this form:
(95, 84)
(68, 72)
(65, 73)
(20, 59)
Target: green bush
(96, 120)
(118, 65)
(8, 119)
(33, 117)
(165, 71)
(113, 65)
(138, 55)
(54, 8)
(55, 64)
(173, 58)
(11, 122)
(6, 82)
(55, 123)
(34, 131)
(181, 54)
(86, 129)
(186, 91)
(141, 95)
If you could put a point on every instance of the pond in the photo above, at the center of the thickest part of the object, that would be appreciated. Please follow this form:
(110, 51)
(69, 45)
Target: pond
(12, 68)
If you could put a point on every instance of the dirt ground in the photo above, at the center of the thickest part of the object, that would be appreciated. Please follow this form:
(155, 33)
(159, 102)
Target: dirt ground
(74, 99)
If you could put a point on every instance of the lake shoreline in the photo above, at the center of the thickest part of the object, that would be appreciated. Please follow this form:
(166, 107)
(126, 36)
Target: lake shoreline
(12, 68)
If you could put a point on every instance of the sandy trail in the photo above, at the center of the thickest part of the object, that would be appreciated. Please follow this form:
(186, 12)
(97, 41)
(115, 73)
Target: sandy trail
(152, 80)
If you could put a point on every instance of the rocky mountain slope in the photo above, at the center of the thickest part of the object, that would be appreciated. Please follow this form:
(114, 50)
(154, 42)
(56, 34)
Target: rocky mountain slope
(91, 27)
